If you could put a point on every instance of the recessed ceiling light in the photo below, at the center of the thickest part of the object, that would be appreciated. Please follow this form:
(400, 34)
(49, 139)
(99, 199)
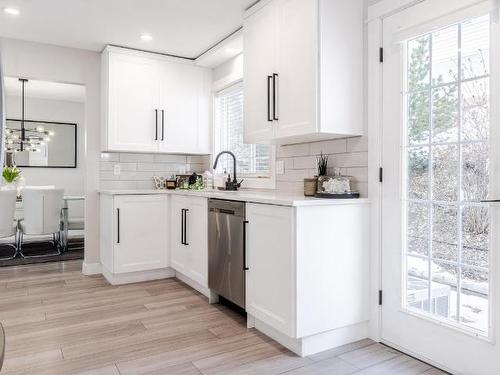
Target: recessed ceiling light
(11, 11)
(146, 37)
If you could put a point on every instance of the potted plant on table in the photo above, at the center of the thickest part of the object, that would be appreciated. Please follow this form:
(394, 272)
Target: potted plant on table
(11, 174)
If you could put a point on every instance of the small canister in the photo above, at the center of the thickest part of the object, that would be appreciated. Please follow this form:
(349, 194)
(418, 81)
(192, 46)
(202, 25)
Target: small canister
(310, 186)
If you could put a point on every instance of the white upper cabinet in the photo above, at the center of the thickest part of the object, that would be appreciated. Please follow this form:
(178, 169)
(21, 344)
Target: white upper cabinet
(133, 94)
(154, 103)
(259, 52)
(313, 52)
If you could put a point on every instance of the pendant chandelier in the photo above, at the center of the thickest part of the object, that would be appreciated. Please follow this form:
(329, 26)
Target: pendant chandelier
(25, 139)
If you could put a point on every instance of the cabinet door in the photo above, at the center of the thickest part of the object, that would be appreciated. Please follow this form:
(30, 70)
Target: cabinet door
(178, 249)
(259, 31)
(196, 266)
(132, 100)
(140, 235)
(297, 62)
(181, 87)
(270, 279)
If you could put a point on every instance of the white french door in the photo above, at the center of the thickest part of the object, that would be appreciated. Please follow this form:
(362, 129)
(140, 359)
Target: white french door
(439, 153)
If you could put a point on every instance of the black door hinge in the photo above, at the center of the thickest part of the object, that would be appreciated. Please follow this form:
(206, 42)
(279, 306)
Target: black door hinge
(380, 174)
(381, 54)
(380, 298)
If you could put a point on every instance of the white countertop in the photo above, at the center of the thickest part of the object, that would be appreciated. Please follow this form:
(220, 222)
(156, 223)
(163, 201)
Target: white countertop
(247, 195)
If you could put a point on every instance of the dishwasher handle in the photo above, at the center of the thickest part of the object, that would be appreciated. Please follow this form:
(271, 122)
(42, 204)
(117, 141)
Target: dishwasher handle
(245, 267)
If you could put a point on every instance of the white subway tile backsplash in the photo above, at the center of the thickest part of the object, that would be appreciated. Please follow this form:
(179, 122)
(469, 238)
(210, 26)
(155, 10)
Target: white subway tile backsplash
(145, 158)
(335, 146)
(304, 162)
(137, 170)
(161, 158)
(357, 144)
(126, 166)
(302, 149)
(107, 156)
(354, 159)
(347, 155)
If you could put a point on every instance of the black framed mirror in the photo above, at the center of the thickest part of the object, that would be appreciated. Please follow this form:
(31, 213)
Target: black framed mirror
(55, 143)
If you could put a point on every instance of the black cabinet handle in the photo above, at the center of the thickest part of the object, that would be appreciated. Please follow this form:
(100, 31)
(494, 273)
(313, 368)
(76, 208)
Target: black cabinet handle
(245, 267)
(162, 124)
(269, 78)
(275, 80)
(118, 225)
(185, 227)
(156, 124)
(491, 201)
(182, 226)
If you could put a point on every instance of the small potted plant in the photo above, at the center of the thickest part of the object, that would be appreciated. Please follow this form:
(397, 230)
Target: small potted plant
(322, 162)
(11, 175)
(311, 184)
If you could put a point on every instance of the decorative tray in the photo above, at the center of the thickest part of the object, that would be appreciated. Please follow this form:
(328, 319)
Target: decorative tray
(346, 195)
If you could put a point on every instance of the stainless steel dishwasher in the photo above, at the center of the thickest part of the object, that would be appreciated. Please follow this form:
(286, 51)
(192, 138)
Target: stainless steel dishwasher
(226, 249)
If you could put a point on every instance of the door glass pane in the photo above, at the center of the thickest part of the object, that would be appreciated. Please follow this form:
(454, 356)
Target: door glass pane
(475, 48)
(475, 110)
(445, 233)
(475, 236)
(447, 174)
(444, 172)
(475, 174)
(474, 298)
(444, 55)
(444, 288)
(417, 283)
(418, 172)
(418, 117)
(418, 228)
(445, 113)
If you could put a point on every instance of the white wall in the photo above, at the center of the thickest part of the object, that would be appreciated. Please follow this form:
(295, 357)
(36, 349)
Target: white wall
(67, 65)
(70, 179)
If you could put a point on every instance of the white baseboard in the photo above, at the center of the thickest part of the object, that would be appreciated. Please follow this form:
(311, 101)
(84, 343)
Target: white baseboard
(320, 342)
(193, 284)
(89, 269)
(137, 277)
(334, 338)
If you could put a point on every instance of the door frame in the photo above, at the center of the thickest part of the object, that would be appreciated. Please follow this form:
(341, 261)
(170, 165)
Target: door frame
(374, 94)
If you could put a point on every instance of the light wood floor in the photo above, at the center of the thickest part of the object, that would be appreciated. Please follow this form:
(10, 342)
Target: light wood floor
(58, 321)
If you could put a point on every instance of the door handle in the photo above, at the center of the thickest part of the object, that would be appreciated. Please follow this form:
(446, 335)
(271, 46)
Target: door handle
(162, 124)
(269, 78)
(275, 96)
(117, 225)
(185, 227)
(245, 267)
(156, 124)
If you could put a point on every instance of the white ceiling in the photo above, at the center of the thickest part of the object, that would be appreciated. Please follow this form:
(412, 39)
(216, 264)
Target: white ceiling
(179, 27)
(45, 90)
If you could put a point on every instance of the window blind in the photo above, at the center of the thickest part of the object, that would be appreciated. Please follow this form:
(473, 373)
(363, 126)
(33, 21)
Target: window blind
(252, 160)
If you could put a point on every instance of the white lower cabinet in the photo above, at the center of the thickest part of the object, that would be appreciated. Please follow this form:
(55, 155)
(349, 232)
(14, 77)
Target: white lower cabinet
(270, 255)
(188, 238)
(307, 283)
(133, 233)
